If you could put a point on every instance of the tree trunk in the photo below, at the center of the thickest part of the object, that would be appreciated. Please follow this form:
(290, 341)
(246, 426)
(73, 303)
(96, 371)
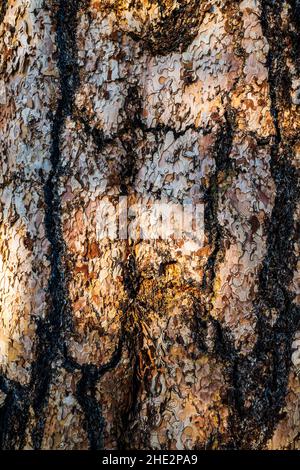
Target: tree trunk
(130, 342)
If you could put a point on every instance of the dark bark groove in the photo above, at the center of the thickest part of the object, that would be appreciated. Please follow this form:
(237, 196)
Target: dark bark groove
(3, 8)
(51, 331)
(257, 382)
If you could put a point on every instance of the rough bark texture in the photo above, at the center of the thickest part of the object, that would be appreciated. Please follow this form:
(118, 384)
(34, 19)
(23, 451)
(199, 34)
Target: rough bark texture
(138, 343)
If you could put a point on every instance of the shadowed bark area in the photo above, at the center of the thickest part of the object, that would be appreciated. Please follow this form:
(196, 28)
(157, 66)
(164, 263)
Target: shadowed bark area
(129, 342)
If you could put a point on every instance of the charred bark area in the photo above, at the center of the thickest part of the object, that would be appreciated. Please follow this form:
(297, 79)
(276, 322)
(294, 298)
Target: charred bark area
(260, 379)
(295, 30)
(175, 28)
(223, 166)
(51, 331)
(3, 8)
(86, 397)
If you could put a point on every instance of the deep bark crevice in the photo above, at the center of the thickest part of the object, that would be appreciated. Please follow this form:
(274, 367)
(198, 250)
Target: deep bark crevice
(3, 8)
(51, 331)
(86, 391)
(175, 28)
(260, 379)
(256, 383)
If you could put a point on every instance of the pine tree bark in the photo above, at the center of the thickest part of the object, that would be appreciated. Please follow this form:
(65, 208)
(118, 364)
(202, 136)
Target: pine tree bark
(133, 343)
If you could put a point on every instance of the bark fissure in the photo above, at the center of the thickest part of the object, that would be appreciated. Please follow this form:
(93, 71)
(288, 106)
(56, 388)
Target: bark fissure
(133, 336)
(258, 381)
(175, 29)
(137, 123)
(262, 376)
(139, 343)
(13, 414)
(3, 8)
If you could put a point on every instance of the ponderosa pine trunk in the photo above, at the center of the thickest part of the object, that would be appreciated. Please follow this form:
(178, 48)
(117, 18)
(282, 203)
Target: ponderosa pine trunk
(135, 343)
